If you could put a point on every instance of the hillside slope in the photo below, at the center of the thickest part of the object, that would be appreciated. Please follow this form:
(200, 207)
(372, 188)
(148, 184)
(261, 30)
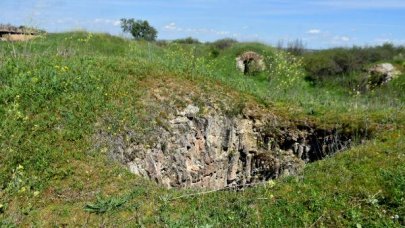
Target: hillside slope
(60, 92)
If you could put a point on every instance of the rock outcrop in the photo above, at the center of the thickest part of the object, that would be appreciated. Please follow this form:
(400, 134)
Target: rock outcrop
(211, 150)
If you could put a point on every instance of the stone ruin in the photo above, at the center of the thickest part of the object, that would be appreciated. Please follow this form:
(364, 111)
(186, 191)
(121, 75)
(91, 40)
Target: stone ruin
(13, 33)
(382, 73)
(215, 151)
(250, 62)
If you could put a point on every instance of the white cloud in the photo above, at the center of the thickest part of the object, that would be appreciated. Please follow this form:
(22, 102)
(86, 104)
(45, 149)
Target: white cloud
(247, 37)
(329, 39)
(172, 27)
(361, 4)
(314, 31)
(209, 32)
(67, 20)
(345, 38)
(341, 39)
(106, 21)
(382, 40)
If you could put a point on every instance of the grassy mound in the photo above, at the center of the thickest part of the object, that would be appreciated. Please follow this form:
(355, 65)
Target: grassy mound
(56, 92)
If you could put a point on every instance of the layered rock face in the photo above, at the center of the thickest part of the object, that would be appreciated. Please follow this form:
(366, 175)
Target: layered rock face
(215, 151)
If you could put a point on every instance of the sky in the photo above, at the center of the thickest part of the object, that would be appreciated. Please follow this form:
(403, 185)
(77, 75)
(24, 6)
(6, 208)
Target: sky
(318, 23)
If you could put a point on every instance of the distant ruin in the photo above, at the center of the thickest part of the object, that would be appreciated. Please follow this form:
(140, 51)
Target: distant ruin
(13, 33)
(250, 62)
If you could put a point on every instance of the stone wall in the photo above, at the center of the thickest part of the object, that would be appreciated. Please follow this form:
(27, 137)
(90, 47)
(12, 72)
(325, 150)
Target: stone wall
(215, 151)
(250, 62)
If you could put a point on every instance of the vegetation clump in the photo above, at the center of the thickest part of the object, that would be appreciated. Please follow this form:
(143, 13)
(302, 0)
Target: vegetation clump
(224, 43)
(188, 40)
(344, 61)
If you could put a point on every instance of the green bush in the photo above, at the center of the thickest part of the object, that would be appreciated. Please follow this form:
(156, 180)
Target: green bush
(214, 52)
(343, 63)
(296, 47)
(188, 40)
(224, 43)
(400, 58)
(317, 66)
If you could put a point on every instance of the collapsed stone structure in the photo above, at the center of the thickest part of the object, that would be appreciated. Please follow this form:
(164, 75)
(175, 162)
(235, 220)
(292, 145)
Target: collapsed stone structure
(215, 151)
(250, 62)
(382, 73)
(12, 33)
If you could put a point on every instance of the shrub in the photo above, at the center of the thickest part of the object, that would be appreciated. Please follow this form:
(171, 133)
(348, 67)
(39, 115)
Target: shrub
(219, 45)
(285, 69)
(296, 47)
(346, 61)
(224, 43)
(188, 40)
(214, 52)
(162, 43)
(318, 66)
(400, 58)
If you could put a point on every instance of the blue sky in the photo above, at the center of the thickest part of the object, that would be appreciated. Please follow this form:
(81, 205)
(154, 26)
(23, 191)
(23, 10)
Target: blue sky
(319, 23)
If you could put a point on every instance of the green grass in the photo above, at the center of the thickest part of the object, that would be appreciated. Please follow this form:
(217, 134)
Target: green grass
(58, 91)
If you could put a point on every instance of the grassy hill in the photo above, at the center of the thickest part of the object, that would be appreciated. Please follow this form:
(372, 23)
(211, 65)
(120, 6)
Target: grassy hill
(59, 90)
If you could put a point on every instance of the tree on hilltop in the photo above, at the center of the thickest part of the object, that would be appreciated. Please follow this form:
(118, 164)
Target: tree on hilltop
(139, 29)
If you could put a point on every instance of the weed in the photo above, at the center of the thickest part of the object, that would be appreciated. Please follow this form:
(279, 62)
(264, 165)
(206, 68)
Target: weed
(103, 205)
